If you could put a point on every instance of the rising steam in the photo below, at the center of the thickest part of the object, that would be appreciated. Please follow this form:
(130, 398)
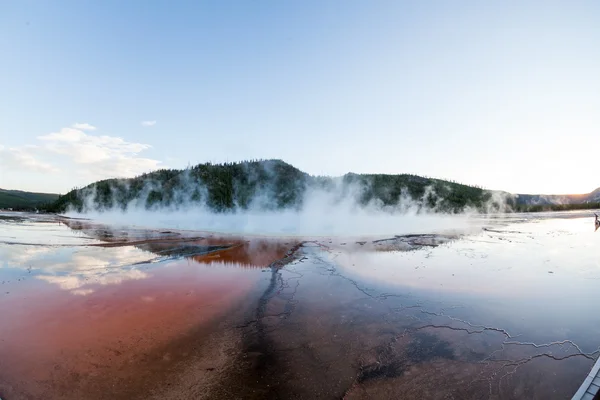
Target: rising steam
(302, 206)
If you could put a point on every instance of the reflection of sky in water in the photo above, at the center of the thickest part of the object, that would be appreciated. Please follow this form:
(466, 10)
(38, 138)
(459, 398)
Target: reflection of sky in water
(538, 275)
(73, 268)
(63, 259)
(72, 265)
(45, 232)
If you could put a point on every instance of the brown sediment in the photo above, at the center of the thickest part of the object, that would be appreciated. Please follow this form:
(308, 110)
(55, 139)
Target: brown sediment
(147, 241)
(250, 251)
(135, 338)
(120, 236)
(293, 324)
(256, 251)
(64, 346)
(114, 243)
(237, 350)
(320, 334)
(444, 378)
(396, 243)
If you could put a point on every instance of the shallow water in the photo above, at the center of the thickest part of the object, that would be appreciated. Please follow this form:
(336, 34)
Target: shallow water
(90, 310)
(541, 275)
(508, 313)
(86, 307)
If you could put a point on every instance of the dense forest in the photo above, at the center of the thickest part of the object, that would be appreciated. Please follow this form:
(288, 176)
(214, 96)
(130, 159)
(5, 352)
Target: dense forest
(520, 207)
(275, 185)
(269, 185)
(19, 200)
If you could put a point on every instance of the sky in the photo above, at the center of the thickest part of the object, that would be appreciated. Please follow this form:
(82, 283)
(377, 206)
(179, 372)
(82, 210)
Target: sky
(500, 94)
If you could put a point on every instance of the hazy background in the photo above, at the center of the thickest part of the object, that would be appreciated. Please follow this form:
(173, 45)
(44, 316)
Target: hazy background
(500, 94)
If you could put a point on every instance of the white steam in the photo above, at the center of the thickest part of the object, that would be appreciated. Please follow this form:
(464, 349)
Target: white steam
(332, 211)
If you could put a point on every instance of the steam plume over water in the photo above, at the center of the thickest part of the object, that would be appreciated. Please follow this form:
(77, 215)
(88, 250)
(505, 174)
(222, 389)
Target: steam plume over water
(274, 198)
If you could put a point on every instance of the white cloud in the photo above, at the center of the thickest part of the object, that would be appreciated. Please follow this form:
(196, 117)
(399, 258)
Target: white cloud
(122, 167)
(81, 155)
(65, 135)
(89, 149)
(24, 159)
(102, 156)
(148, 123)
(84, 126)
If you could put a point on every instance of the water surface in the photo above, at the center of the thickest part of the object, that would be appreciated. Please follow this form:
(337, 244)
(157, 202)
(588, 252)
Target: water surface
(92, 310)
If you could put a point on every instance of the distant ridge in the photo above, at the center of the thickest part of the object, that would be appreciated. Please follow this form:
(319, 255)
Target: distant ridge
(21, 200)
(275, 184)
(592, 197)
(268, 185)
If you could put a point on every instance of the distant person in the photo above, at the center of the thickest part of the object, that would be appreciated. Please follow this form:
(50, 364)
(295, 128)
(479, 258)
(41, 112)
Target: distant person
(596, 222)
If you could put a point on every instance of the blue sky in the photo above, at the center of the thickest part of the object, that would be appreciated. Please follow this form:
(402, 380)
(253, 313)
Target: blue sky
(505, 95)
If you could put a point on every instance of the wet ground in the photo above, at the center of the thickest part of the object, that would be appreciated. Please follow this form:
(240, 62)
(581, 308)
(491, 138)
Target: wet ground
(95, 311)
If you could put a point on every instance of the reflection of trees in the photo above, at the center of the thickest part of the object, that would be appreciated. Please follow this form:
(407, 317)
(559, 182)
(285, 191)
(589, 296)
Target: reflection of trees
(248, 252)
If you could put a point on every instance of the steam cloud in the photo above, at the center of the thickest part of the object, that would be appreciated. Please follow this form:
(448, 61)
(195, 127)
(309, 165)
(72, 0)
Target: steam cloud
(331, 209)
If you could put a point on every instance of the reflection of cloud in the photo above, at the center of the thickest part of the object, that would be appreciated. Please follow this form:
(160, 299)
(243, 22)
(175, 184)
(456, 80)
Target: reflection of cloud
(64, 282)
(19, 255)
(77, 280)
(82, 292)
(52, 259)
(75, 269)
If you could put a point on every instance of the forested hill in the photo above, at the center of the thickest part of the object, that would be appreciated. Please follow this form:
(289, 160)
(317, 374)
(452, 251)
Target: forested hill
(20, 200)
(558, 202)
(267, 185)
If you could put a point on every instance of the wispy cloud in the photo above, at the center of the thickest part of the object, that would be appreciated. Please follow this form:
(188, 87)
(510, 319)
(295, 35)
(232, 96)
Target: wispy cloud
(25, 157)
(80, 155)
(88, 149)
(99, 156)
(84, 126)
(148, 123)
